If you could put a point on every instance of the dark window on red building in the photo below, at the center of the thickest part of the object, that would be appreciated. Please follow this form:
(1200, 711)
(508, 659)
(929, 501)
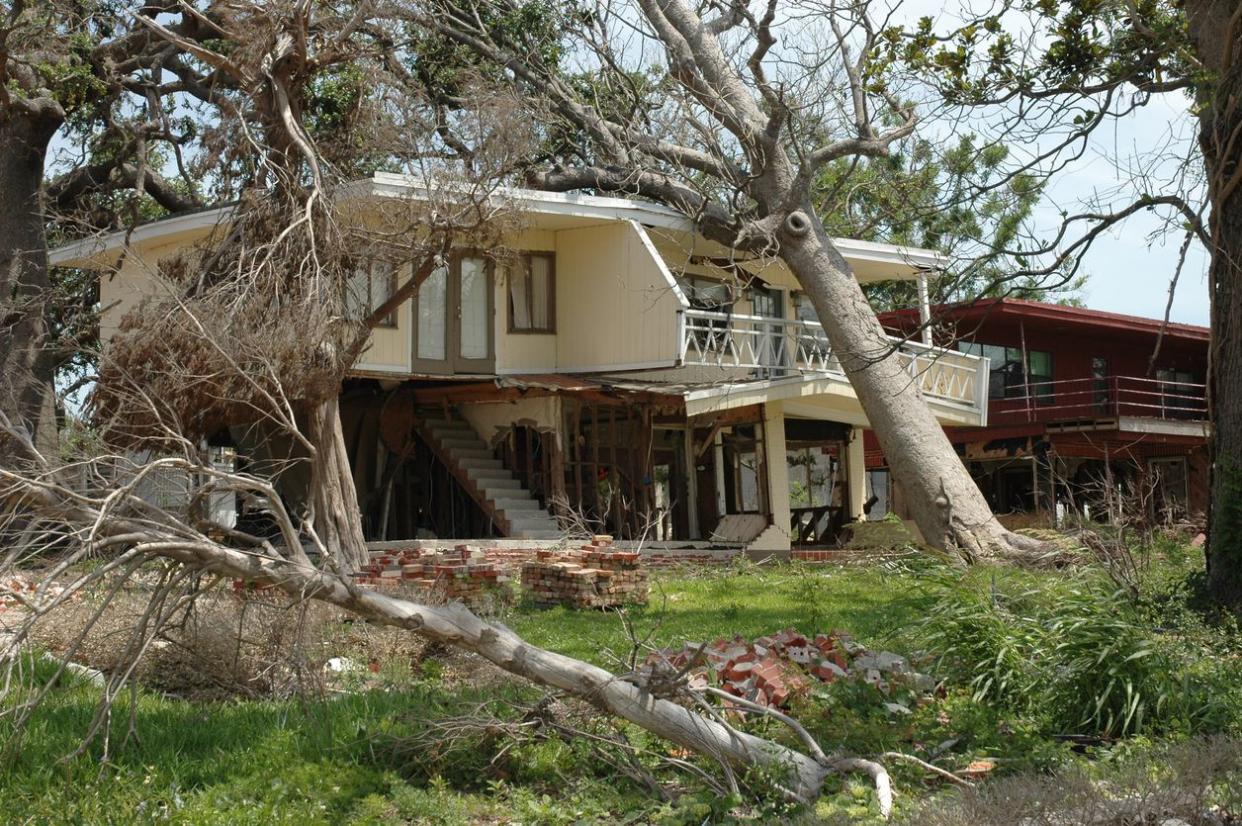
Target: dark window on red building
(1010, 379)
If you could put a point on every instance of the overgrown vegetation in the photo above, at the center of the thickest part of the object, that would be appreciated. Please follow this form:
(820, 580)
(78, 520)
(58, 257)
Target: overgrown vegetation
(1049, 680)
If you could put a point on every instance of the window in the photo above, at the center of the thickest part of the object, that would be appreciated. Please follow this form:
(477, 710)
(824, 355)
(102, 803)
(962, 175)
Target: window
(877, 490)
(707, 294)
(368, 287)
(532, 294)
(1009, 379)
(812, 476)
(1179, 396)
(432, 308)
(711, 334)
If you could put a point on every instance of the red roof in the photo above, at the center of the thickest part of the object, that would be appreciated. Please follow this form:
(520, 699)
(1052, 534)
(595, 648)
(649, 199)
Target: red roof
(1055, 314)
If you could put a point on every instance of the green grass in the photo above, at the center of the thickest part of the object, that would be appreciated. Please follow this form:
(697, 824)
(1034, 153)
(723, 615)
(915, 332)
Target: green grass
(347, 759)
(871, 603)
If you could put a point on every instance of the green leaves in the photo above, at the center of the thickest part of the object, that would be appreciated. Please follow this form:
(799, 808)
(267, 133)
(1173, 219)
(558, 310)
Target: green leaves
(1075, 654)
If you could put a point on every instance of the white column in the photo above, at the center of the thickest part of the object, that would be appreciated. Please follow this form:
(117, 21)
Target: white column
(924, 308)
(777, 466)
(856, 474)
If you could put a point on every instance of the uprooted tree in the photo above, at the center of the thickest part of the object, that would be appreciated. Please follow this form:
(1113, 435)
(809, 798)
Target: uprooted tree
(729, 113)
(1059, 77)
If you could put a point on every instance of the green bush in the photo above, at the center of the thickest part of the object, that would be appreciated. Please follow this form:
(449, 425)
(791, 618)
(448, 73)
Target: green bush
(1078, 655)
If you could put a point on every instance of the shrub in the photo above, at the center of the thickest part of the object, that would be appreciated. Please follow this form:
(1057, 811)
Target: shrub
(1078, 655)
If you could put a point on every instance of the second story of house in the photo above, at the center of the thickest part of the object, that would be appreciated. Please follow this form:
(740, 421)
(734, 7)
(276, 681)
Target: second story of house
(1063, 366)
(577, 284)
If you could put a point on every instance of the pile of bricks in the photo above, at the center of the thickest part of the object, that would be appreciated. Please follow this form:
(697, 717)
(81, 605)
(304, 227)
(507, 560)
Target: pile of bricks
(595, 576)
(463, 574)
(773, 669)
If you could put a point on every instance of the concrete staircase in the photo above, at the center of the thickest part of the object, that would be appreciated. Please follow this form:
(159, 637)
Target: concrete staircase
(481, 474)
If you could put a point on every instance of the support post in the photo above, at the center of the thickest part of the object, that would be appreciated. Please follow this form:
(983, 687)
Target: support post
(924, 308)
(690, 460)
(774, 453)
(855, 475)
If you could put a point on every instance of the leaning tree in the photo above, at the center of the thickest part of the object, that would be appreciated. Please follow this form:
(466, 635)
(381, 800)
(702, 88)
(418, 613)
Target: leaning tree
(1058, 78)
(729, 113)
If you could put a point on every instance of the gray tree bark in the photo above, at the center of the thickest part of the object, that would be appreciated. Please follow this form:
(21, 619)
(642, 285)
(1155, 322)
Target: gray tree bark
(1216, 32)
(945, 502)
(338, 518)
(27, 363)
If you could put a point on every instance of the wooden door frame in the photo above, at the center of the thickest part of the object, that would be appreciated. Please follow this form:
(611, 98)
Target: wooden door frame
(453, 363)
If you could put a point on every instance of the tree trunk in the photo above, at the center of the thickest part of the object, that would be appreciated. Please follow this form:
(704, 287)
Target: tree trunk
(946, 504)
(338, 519)
(1215, 34)
(26, 360)
(799, 775)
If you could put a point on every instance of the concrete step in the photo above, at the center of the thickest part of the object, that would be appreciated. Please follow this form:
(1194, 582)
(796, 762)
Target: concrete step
(442, 434)
(531, 523)
(470, 463)
(458, 442)
(448, 424)
(537, 535)
(507, 487)
(462, 453)
(516, 504)
(488, 475)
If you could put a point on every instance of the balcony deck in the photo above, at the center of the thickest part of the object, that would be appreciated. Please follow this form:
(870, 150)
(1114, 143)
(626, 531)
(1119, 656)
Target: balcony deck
(1127, 402)
(762, 347)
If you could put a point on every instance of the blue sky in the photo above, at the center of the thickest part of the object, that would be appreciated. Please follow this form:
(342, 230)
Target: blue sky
(1129, 271)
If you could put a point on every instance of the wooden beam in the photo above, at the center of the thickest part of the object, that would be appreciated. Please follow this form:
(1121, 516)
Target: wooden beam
(709, 441)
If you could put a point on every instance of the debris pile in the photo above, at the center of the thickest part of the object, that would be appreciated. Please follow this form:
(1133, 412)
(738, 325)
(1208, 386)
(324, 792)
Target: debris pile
(463, 574)
(774, 669)
(17, 591)
(594, 576)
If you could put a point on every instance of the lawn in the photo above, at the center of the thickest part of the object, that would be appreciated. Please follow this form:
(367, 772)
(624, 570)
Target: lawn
(378, 754)
(871, 602)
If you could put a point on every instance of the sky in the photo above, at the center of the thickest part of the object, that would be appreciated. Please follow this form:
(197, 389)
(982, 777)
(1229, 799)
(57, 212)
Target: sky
(1129, 272)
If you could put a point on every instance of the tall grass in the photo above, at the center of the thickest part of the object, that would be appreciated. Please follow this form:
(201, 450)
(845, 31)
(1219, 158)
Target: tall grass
(1077, 654)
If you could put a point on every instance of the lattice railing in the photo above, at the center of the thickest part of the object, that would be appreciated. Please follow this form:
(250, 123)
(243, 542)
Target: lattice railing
(773, 347)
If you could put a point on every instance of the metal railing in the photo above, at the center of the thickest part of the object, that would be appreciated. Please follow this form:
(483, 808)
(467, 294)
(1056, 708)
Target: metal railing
(775, 347)
(1101, 397)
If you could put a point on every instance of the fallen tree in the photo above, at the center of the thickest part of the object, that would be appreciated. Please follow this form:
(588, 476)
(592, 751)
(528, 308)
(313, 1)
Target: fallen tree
(120, 525)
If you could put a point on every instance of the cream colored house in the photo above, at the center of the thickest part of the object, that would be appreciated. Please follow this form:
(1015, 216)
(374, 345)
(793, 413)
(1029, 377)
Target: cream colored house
(611, 367)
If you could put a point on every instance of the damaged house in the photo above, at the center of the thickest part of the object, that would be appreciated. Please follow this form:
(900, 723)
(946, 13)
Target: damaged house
(1084, 407)
(608, 368)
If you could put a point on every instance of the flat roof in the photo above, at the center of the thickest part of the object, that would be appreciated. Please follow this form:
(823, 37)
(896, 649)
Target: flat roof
(531, 201)
(987, 309)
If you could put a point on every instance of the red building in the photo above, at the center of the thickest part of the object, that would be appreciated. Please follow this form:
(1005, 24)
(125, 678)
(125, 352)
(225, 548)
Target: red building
(1080, 415)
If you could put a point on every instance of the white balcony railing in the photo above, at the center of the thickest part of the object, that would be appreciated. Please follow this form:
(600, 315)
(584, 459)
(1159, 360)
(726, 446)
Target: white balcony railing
(774, 347)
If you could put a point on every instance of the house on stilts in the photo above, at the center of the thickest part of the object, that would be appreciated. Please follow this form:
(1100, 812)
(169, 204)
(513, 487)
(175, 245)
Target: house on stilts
(612, 367)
